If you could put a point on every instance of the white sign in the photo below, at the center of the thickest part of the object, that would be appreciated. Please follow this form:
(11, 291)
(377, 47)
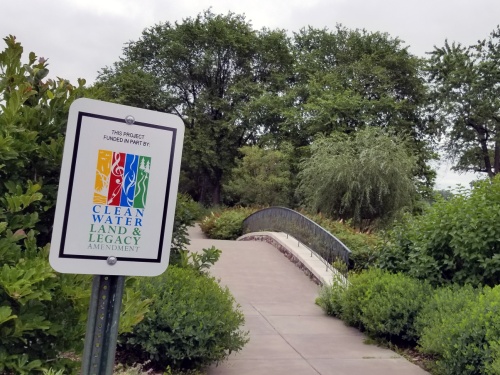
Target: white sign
(117, 191)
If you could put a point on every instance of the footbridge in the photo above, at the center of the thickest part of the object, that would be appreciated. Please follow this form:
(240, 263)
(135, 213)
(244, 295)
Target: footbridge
(289, 333)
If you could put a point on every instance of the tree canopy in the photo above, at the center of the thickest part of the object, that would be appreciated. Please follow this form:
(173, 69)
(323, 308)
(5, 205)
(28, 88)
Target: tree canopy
(364, 177)
(234, 86)
(207, 70)
(348, 79)
(465, 91)
(262, 177)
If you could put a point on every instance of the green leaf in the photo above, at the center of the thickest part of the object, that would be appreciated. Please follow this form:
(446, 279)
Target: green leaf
(6, 314)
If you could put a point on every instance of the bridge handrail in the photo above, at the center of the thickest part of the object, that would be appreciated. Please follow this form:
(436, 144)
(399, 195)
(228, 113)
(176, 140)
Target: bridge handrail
(282, 219)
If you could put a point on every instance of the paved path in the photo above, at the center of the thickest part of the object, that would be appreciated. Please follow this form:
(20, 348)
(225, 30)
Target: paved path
(289, 334)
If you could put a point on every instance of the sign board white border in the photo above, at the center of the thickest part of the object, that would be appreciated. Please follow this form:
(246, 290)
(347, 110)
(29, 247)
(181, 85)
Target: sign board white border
(63, 258)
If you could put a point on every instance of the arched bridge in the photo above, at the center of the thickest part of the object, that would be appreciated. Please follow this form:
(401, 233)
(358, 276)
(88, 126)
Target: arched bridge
(289, 333)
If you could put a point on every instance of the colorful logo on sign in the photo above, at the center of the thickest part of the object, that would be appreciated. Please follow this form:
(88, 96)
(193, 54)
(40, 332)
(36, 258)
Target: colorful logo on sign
(121, 179)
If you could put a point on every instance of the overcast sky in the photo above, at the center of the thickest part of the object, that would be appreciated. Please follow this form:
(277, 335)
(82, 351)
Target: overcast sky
(79, 37)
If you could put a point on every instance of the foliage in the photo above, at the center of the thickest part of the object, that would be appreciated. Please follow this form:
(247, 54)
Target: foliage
(33, 116)
(262, 177)
(227, 224)
(364, 177)
(384, 304)
(234, 86)
(461, 327)
(346, 80)
(465, 92)
(199, 262)
(364, 246)
(187, 211)
(454, 241)
(331, 295)
(139, 369)
(42, 313)
(444, 193)
(207, 70)
(52, 372)
(192, 322)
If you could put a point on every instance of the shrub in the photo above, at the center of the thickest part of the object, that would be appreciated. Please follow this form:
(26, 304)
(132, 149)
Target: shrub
(33, 117)
(192, 322)
(226, 225)
(461, 327)
(331, 296)
(454, 241)
(187, 211)
(384, 304)
(42, 313)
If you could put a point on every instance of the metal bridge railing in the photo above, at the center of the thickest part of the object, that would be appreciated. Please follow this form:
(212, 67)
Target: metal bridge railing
(318, 239)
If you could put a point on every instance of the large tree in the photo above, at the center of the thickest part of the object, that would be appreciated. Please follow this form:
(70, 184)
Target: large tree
(465, 85)
(209, 70)
(345, 80)
(365, 176)
(356, 78)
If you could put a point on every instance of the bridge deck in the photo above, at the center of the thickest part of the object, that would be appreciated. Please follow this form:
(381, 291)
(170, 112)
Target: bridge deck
(289, 334)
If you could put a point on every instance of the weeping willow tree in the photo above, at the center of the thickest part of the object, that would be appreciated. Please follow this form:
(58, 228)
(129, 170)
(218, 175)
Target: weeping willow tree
(363, 177)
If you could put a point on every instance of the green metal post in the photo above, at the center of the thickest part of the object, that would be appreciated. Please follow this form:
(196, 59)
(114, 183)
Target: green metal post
(102, 325)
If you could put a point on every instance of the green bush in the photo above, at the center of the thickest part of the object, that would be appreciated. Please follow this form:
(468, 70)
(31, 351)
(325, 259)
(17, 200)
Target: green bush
(42, 312)
(384, 304)
(461, 327)
(33, 117)
(331, 296)
(454, 241)
(187, 212)
(227, 224)
(192, 322)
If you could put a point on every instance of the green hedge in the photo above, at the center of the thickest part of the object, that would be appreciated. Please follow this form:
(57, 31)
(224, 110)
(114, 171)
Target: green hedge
(461, 327)
(193, 322)
(454, 241)
(458, 326)
(227, 224)
(384, 304)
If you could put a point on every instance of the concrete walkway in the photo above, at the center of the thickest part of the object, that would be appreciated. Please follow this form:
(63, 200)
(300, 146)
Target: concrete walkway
(289, 334)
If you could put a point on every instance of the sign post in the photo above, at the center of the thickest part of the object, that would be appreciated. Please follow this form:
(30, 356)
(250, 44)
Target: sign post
(102, 325)
(115, 208)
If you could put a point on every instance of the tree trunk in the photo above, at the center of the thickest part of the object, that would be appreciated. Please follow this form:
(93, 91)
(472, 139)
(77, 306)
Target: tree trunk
(486, 155)
(496, 161)
(217, 187)
(216, 194)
